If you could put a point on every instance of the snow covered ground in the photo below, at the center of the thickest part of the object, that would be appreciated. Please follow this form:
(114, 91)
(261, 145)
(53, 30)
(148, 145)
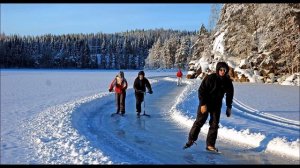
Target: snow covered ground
(63, 117)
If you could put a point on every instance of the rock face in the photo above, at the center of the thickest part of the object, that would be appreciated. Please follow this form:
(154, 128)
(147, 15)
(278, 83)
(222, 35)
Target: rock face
(266, 35)
(264, 38)
(233, 75)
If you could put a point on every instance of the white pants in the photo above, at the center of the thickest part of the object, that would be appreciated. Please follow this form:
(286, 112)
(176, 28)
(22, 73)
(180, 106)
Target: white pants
(179, 81)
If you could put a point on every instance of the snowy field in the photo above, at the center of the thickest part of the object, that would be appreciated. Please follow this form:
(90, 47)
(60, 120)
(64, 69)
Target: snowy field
(63, 117)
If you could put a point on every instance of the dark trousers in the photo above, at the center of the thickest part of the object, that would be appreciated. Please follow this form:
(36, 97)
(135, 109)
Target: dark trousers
(139, 97)
(120, 102)
(213, 126)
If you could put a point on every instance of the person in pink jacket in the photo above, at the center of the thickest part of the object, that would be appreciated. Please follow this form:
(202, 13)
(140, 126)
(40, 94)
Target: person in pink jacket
(119, 84)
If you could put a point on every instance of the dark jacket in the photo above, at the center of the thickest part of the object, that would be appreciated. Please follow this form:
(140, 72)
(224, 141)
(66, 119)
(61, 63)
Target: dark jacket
(140, 85)
(213, 88)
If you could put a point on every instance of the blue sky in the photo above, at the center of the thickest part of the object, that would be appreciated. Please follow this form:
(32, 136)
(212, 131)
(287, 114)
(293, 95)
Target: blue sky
(38, 19)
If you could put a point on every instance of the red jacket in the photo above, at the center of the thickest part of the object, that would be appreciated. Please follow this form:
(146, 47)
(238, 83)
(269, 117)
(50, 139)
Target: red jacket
(179, 73)
(120, 85)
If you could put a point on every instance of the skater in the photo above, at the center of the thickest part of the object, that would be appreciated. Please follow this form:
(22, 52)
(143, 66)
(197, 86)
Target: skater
(139, 85)
(211, 93)
(120, 85)
(179, 77)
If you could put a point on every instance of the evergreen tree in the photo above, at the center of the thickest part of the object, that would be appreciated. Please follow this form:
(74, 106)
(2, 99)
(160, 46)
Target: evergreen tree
(86, 60)
(153, 59)
(103, 54)
(203, 30)
(182, 53)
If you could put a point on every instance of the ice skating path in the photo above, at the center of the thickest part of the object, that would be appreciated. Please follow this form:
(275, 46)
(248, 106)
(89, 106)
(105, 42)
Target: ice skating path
(155, 139)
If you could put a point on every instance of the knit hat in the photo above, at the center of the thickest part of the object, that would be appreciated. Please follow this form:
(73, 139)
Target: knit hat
(142, 73)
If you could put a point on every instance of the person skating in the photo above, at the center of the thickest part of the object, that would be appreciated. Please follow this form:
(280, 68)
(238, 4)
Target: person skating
(179, 77)
(139, 85)
(120, 84)
(211, 93)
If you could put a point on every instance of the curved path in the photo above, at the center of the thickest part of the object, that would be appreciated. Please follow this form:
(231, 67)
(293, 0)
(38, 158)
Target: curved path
(156, 139)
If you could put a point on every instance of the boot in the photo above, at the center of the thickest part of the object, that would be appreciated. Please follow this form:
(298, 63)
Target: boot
(189, 144)
(212, 148)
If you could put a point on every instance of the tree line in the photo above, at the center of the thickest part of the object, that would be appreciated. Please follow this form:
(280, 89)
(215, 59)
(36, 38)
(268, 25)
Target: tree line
(134, 49)
(176, 51)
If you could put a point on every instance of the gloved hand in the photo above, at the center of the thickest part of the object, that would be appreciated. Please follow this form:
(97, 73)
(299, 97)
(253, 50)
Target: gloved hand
(150, 91)
(203, 109)
(228, 112)
(110, 90)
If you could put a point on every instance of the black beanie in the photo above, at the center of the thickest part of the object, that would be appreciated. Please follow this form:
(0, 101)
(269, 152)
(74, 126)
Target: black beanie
(142, 73)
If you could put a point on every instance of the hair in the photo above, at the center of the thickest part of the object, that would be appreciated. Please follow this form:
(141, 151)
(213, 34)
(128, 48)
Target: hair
(121, 74)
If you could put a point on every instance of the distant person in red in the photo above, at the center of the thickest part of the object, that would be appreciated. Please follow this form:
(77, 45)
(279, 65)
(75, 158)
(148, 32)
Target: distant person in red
(179, 77)
(120, 85)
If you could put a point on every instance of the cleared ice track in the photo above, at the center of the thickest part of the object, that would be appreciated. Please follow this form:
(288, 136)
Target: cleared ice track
(154, 140)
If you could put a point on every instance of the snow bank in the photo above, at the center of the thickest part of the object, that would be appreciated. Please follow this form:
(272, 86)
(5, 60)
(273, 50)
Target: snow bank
(57, 142)
(276, 145)
(282, 146)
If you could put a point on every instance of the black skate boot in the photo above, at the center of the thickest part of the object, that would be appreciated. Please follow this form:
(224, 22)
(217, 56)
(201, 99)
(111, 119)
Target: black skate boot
(189, 144)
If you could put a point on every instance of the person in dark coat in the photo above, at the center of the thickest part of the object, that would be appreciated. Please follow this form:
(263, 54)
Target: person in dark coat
(120, 85)
(211, 93)
(139, 85)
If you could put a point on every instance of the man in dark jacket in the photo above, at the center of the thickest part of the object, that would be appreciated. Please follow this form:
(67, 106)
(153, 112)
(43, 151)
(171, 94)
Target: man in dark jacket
(139, 85)
(211, 93)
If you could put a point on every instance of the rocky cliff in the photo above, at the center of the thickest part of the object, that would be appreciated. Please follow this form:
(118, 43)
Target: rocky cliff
(260, 39)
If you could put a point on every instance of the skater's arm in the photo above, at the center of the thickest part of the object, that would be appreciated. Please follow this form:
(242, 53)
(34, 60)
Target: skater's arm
(202, 91)
(229, 94)
(125, 85)
(148, 85)
(112, 84)
(135, 84)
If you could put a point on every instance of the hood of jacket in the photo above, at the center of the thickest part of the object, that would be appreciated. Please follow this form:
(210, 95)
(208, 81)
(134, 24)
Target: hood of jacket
(222, 65)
